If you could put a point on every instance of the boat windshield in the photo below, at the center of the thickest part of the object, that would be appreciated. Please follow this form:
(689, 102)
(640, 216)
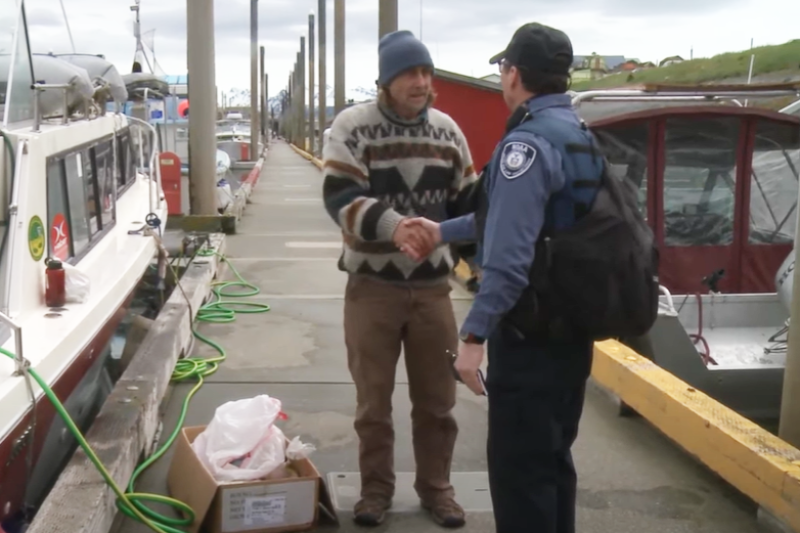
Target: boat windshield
(701, 156)
(16, 73)
(775, 174)
(792, 109)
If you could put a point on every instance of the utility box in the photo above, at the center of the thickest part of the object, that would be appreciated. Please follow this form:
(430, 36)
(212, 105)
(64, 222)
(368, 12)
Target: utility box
(170, 166)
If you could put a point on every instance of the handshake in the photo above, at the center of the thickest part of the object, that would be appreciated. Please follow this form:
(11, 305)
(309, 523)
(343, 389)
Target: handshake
(417, 237)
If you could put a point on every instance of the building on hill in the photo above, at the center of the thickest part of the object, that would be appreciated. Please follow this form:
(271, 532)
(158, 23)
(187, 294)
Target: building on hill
(671, 60)
(598, 62)
(628, 66)
(594, 66)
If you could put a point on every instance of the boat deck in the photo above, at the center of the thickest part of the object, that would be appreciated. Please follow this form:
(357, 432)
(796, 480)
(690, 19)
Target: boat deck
(631, 477)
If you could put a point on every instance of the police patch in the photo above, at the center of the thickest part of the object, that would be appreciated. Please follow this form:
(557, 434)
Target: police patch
(516, 159)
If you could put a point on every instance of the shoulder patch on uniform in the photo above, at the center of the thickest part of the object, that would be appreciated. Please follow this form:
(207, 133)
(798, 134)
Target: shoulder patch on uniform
(516, 159)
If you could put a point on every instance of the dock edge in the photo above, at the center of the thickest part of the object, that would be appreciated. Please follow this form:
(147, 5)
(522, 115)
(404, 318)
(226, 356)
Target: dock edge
(754, 461)
(128, 421)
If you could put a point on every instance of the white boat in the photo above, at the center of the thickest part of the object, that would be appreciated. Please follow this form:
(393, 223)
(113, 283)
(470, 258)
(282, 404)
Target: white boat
(233, 138)
(71, 189)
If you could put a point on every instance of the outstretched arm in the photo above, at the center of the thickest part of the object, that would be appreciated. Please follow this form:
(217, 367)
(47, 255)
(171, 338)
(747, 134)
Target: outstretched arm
(517, 200)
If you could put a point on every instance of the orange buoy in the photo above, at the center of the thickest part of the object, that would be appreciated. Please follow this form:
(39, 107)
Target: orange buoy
(183, 108)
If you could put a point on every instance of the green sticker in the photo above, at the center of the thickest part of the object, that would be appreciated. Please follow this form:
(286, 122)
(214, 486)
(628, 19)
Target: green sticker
(36, 242)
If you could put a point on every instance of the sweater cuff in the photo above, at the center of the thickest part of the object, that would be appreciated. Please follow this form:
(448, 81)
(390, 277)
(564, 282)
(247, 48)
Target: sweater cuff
(387, 225)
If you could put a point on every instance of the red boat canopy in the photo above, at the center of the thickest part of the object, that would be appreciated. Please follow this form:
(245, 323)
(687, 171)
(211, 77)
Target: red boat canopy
(719, 185)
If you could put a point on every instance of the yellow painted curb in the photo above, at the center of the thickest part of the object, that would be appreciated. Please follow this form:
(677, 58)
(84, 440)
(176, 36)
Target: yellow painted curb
(463, 273)
(308, 156)
(756, 462)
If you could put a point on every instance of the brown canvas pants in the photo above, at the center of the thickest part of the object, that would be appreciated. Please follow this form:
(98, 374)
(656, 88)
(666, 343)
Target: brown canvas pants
(378, 319)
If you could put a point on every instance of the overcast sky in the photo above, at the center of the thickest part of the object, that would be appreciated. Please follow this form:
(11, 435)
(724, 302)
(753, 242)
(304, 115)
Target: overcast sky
(461, 34)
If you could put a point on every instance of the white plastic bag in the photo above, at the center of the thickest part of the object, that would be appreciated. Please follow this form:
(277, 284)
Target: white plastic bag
(76, 284)
(242, 442)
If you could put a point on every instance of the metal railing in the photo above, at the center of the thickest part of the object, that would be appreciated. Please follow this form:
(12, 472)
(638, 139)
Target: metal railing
(710, 95)
(19, 358)
(37, 91)
(13, 226)
(154, 169)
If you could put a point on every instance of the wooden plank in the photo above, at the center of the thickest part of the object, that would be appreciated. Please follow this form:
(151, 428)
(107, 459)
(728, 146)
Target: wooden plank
(756, 462)
(80, 501)
(203, 223)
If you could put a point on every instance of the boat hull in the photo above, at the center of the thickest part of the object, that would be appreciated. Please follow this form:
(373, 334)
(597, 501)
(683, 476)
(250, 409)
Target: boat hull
(14, 448)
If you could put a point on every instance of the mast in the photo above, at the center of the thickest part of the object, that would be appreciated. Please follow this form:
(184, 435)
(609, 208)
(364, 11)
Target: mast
(137, 33)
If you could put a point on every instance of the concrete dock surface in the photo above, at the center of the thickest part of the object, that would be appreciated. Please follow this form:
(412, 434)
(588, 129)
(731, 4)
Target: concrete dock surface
(631, 477)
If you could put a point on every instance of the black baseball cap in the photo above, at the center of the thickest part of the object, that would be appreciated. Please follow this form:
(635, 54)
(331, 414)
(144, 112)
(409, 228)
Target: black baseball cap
(538, 48)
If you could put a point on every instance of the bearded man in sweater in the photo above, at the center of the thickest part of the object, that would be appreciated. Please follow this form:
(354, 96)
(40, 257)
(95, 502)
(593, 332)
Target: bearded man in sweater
(386, 162)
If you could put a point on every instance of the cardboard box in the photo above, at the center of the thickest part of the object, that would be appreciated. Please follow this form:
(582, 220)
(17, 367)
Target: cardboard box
(263, 506)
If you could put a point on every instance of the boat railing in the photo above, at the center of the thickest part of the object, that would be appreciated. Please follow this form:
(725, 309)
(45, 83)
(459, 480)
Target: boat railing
(13, 222)
(153, 166)
(687, 94)
(668, 307)
(37, 90)
(19, 358)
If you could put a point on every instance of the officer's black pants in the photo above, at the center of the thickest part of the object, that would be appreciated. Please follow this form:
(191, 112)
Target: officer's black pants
(536, 393)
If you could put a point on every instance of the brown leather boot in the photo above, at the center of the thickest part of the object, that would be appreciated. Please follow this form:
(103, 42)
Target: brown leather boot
(371, 510)
(446, 512)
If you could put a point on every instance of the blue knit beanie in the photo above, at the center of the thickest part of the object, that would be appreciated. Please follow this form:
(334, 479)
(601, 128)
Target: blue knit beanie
(399, 51)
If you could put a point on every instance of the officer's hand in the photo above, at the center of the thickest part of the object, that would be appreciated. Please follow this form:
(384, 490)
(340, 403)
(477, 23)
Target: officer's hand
(416, 239)
(470, 357)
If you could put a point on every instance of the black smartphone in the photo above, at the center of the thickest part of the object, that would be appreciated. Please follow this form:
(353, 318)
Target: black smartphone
(453, 357)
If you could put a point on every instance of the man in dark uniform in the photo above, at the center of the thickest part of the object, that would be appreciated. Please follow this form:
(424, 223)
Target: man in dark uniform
(544, 174)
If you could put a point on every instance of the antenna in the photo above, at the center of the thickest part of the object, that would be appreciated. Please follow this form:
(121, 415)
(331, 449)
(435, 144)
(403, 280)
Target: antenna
(137, 32)
(69, 31)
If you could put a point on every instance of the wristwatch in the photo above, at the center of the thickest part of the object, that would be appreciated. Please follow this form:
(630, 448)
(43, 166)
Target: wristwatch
(471, 338)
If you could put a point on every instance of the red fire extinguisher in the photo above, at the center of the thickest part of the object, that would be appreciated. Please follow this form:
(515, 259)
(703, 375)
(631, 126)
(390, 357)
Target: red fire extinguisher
(55, 291)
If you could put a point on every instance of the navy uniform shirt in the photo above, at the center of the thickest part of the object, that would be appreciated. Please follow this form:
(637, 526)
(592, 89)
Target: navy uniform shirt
(525, 170)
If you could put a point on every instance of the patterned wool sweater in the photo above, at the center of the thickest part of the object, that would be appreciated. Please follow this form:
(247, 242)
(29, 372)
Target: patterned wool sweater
(380, 169)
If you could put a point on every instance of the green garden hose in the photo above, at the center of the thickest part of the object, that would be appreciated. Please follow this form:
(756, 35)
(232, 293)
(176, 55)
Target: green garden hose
(217, 310)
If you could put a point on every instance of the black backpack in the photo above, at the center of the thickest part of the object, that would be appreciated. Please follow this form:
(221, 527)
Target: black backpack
(599, 277)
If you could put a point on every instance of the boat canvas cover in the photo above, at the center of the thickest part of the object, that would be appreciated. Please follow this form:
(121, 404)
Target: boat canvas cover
(136, 82)
(100, 69)
(51, 70)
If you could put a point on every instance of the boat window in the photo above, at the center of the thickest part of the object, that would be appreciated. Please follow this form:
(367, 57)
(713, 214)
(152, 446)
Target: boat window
(104, 163)
(90, 185)
(774, 183)
(700, 180)
(77, 198)
(60, 245)
(626, 149)
(127, 162)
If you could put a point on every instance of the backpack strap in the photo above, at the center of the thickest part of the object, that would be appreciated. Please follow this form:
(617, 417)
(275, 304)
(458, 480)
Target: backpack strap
(581, 163)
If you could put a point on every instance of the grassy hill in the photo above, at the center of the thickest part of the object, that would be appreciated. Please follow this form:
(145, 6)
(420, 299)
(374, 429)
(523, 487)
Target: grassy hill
(773, 64)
